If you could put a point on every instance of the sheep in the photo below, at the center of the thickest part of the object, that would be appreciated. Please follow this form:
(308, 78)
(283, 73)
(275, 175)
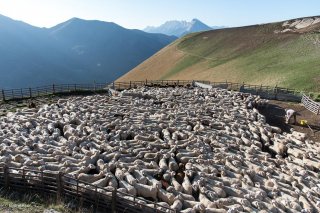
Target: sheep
(206, 202)
(139, 177)
(177, 205)
(186, 186)
(180, 195)
(102, 182)
(200, 150)
(146, 191)
(90, 178)
(173, 166)
(166, 196)
(177, 186)
(152, 181)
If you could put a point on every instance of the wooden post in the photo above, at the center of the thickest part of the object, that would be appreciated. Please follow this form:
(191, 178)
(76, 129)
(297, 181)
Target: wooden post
(12, 94)
(75, 87)
(146, 81)
(3, 96)
(21, 93)
(130, 84)
(30, 93)
(6, 177)
(42, 185)
(53, 89)
(81, 197)
(77, 188)
(59, 186)
(24, 180)
(96, 199)
(114, 200)
(275, 92)
(78, 196)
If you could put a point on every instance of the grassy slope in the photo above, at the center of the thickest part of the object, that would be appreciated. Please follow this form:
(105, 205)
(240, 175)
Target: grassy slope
(253, 54)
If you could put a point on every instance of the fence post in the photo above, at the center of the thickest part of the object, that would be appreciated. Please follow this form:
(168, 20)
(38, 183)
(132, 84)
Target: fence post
(42, 184)
(3, 96)
(59, 186)
(96, 199)
(130, 84)
(53, 89)
(24, 180)
(113, 204)
(6, 177)
(275, 92)
(146, 82)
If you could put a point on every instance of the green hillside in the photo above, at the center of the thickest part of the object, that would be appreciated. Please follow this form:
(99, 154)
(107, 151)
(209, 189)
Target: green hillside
(282, 54)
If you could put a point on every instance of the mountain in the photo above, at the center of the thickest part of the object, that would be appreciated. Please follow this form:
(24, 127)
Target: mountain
(76, 51)
(284, 54)
(179, 28)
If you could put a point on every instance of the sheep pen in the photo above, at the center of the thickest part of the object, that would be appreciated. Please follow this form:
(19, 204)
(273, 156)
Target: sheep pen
(190, 149)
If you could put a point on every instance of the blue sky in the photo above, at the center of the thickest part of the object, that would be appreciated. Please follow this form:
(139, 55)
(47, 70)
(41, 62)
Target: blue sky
(141, 13)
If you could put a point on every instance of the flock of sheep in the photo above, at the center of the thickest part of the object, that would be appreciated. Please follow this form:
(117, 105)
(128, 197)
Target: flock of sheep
(190, 149)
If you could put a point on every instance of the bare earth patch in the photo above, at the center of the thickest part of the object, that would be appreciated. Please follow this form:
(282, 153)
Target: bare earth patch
(275, 116)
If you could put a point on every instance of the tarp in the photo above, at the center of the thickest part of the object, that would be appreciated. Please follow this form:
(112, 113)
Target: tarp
(113, 92)
(205, 86)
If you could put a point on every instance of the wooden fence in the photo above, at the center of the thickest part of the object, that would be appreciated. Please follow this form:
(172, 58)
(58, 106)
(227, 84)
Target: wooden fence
(311, 105)
(267, 92)
(22, 93)
(63, 187)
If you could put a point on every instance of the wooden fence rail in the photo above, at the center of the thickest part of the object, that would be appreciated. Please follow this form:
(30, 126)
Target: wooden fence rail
(22, 93)
(267, 92)
(311, 105)
(64, 187)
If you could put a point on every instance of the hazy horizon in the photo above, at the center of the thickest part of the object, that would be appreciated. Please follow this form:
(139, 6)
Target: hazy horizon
(143, 13)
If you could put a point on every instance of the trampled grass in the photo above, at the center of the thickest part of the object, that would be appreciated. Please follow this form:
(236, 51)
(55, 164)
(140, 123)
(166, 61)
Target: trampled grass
(15, 202)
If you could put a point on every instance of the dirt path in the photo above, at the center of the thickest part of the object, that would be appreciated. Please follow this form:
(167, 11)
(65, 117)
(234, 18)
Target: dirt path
(275, 115)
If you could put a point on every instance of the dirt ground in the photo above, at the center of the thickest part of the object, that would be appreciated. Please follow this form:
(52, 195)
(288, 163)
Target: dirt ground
(275, 116)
